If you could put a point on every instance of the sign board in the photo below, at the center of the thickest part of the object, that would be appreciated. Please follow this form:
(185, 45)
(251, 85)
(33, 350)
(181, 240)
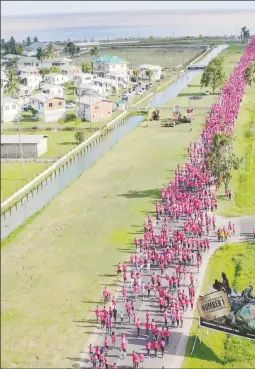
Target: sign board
(229, 311)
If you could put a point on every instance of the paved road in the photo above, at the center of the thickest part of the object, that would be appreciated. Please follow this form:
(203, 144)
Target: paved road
(175, 351)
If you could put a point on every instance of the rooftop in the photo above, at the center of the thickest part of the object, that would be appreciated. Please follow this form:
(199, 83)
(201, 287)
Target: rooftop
(27, 69)
(7, 99)
(47, 86)
(89, 100)
(54, 75)
(109, 59)
(89, 86)
(24, 139)
(11, 56)
(45, 97)
(104, 80)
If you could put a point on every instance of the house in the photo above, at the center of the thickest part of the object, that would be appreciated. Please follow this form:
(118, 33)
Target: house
(23, 91)
(108, 64)
(55, 62)
(31, 50)
(80, 78)
(32, 81)
(32, 146)
(10, 57)
(50, 89)
(121, 81)
(155, 69)
(25, 71)
(90, 89)
(49, 108)
(83, 46)
(10, 109)
(93, 109)
(56, 78)
(71, 70)
(28, 61)
(107, 83)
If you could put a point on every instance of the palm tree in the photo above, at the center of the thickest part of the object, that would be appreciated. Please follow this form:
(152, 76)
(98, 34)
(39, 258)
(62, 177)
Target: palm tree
(94, 51)
(13, 83)
(11, 45)
(50, 51)
(35, 39)
(39, 54)
(28, 41)
(245, 34)
(70, 47)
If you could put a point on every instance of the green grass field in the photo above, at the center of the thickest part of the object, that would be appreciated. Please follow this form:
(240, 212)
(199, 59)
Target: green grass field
(52, 268)
(219, 350)
(243, 181)
(137, 56)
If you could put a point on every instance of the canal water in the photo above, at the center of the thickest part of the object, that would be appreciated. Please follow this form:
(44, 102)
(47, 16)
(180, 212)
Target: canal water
(41, 196)
(174, 89)
(62, 178)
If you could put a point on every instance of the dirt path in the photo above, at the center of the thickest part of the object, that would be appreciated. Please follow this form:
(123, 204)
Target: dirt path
(175, 351)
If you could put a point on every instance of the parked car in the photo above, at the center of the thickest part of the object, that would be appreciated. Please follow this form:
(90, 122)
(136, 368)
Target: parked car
(207, 92)
(70, 105)
(150, 85)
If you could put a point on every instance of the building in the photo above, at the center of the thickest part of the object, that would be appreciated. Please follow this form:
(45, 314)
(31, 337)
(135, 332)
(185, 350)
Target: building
(90, 89)
(31, 81)
(56, 90)
(80, 78)
(32, 146)
(155, 69)
(56, 78)
(31, 50)
(107, 83)
(71, 70)
(83, 46)
(10, 109)
(49, 108)
(10, 57)
(108, 64)
(23, 92)
(93, 109)
(26, 71)
(28, 61)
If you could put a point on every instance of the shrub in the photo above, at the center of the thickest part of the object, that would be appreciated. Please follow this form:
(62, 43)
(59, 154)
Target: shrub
(69, 129)
(70, 116)
(79, 136)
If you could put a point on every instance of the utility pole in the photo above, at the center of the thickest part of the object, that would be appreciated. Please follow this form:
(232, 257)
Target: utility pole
(21, 149)
(188, 90)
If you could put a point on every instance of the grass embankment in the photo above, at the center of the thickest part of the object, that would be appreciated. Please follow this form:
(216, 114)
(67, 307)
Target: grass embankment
(219, 350)
(243, 181)
(53, 271)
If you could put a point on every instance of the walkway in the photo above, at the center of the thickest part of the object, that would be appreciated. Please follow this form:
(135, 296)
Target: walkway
(175, 351)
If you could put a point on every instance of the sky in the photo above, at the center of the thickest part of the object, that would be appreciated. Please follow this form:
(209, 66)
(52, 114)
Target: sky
(19, 8)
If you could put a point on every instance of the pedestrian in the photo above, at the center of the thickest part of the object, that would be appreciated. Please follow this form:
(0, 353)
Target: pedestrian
(141, 359)
(138, 326)
(124, 348)
(155, 347)
(113, 338)
(148, 347)
(162, 346)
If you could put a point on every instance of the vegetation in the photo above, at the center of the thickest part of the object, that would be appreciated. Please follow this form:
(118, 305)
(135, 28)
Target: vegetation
(214, 75)
(40, 54)
(250, 74)
(70, 48)
(245, 34)
(28, 41)
(13, 83)
(148, 73)
(87, 67)
(242, 183)
(79, 136)
(50, 51)
(94, 51)
(222, 160)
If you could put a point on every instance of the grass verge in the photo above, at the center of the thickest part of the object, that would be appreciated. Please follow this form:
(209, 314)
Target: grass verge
(219, 350)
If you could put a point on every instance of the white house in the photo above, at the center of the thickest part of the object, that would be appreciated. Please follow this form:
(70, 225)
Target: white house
(33, 146)
(107, 83)
(51, 89)
(56, 78)
(28, 71)
(28, 61)
(80, 78)
(155, 69)
(71, 70)
(110, 65)
(32, 81)
(93, 109)
(23, 91)
(90, 89)
(49, 108)
(10, 109)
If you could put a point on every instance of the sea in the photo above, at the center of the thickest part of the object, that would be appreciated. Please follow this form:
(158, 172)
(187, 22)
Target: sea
(103, 26)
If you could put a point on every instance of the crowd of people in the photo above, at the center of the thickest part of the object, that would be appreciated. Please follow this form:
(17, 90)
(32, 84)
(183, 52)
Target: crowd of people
(170, 254)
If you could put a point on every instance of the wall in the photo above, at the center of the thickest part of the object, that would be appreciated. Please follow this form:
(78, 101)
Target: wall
(13, 150)
(11, 114)
(42, 146)
(55, 104)
(101, 111)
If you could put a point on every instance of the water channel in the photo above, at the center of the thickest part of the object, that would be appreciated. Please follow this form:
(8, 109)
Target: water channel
(48, 189)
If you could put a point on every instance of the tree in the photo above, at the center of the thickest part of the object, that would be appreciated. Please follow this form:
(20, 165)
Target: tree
(19, 50)
(70, 48)
(50, 51)
(28, 41)
(55, 69)
(44, 71)
(94, 51)
(13, 83)
(11, 46)
(114, 90)
(148, 73)
(245, 34)
(35, 39)
(40, 54)
(221, 160)
(79, 136)
(250, 74)
(87, 67)
(214, 75)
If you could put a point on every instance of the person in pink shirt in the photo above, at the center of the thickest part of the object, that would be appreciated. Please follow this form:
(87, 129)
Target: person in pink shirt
(141, 359)
(106, 362)
(138, 326)
(97, 312)
(155, 346)
(148, 347)
(124, 348)
(114, 366)
(113, 338)
(162, 346)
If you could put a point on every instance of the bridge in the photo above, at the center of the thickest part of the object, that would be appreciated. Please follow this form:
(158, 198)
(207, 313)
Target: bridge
(164, 108)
